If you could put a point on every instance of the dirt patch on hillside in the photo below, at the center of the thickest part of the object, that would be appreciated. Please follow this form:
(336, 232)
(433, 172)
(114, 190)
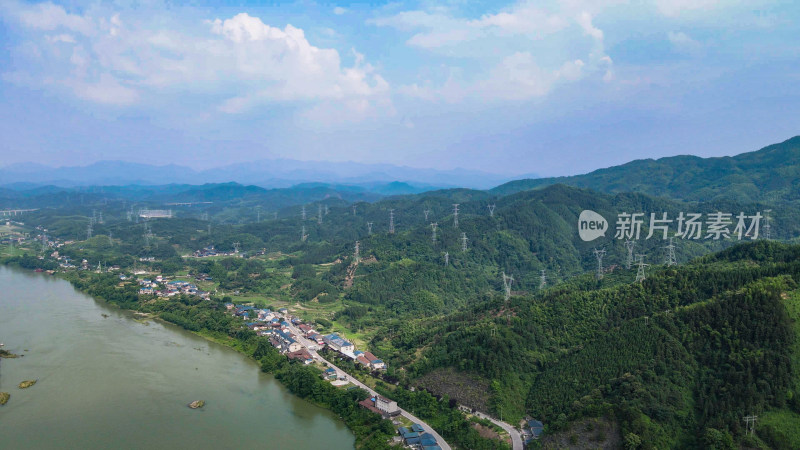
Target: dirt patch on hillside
(598, 433)
(467, 389)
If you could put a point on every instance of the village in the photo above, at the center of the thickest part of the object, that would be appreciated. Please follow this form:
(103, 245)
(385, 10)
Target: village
(300, 341)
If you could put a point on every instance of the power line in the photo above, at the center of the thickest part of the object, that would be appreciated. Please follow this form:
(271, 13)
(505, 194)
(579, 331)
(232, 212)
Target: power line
(507, 280)
(767, 226)
(750, 424)
(669, 260)
(629, 245)
(599, 254)
(640, 272)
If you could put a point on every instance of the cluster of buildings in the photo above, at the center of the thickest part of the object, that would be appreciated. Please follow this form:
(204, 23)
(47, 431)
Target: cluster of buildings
(346, 348)
(163, 288)
(211, 251)
(205, 252)
(416, 438)
(284, 329)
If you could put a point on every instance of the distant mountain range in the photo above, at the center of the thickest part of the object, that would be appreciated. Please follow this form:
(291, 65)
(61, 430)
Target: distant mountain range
(276, 173)
(771, 174)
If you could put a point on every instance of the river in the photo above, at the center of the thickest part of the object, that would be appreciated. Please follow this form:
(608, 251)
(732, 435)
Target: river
(115, 382)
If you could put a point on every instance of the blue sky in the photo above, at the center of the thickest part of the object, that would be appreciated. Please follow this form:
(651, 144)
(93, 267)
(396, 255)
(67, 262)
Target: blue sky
(546, 87)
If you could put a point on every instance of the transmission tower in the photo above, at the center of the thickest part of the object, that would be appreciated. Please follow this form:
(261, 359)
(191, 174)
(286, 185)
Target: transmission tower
(303, 235)
(542, 280)
(669, 260)
(236, 247)
(455, 215)
(100, 217)
(507, 280)
(356, 256)
(326, 210)
(303, 213)
(44, 242)
(446, 258)
(767, 226)
(391, 221)
(354, 209)
(640, 273)
(129, 215)
(629, 244)
(750, 424)
(369, 227)
(319, 214)
(148, 235)
(491, 210)
(426, 212)
(258, 213)
(464, 242)
(89, 230)
(433, 229)
(94, 216)
(599, 254)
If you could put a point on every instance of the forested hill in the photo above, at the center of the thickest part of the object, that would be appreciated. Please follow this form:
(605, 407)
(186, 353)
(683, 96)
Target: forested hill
(674, 362)
(771, 174)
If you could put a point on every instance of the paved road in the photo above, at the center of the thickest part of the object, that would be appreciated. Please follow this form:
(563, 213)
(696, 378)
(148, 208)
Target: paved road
(516, 438)
(341, 373)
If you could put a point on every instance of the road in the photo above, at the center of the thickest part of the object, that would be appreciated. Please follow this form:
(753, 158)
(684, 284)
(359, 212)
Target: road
(309, 345)
(341, 373)
(516, 438)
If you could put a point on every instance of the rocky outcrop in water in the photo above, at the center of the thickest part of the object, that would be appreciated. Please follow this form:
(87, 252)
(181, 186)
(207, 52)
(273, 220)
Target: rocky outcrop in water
(26, 384)
(197, 404)
(4, 396)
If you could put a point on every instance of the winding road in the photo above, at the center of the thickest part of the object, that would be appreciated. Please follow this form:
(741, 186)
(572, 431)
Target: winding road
(516, 437)
(311, 346)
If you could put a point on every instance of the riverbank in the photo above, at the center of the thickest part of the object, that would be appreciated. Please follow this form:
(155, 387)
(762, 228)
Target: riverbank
(367, 430)
(93, 364)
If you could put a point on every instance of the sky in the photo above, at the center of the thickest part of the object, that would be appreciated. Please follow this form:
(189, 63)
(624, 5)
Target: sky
(529, 87)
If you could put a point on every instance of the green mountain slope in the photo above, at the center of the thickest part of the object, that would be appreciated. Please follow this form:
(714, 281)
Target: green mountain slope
(676, 360)
(771, 174)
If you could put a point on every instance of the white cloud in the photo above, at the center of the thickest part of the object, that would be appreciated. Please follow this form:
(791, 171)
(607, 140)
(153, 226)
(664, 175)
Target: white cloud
(251, 63)
(683, 43)
(64, 37)
(522, 51)
(674, 8)
(585, 21)
(48, 16)
(339, 10)
(106, 90)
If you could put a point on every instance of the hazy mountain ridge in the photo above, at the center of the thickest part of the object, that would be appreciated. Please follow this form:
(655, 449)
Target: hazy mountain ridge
(264, 173)
(771, 174)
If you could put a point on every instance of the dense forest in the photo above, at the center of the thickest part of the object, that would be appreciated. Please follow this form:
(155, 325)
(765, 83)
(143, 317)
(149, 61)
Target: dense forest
(675, 361)
(771, 174)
